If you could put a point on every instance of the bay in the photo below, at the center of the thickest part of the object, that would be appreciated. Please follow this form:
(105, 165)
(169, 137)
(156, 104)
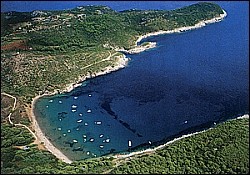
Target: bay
(189, 82)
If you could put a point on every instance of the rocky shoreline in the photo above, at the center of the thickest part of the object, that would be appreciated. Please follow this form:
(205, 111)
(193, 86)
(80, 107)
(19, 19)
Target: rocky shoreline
(139, 48)
(151, 150)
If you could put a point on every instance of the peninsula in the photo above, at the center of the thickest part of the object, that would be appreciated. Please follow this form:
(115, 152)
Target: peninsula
(63, 47)
(51, 52)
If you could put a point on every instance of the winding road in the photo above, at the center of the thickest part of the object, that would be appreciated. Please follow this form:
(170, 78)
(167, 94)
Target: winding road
(13, 108)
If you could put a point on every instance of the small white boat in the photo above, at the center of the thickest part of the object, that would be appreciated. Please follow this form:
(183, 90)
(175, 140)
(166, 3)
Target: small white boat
(107, 140)
(47, 106)
(98, 122)
(60, 101)
(69, 130)
(73, 110)
(75, 98)
(80, 114)
(129, 143)
(84, 140)
(101, 135)
(90, 95)
(75, 141)
(79, 121)
(64, 134)
(84, 136)
(51, 101)
(88, 153)
(185, 121)
(89, 110)
(59, 129)
(74, 106)
(91, 140)
(101, 146)
(86, 124)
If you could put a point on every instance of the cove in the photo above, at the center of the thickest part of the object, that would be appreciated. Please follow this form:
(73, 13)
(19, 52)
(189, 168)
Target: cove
(188, 83)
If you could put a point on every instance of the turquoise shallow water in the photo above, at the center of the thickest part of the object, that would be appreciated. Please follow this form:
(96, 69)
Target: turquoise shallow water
(185, 84)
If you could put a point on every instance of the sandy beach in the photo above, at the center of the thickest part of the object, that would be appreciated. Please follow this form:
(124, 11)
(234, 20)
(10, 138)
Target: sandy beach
(41, 137)
(121, 63)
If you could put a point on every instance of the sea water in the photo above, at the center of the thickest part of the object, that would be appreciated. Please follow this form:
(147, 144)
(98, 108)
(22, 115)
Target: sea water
(189, 82)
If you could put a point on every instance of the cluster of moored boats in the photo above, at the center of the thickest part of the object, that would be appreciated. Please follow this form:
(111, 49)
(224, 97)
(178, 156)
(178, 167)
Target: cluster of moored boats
(91, 139)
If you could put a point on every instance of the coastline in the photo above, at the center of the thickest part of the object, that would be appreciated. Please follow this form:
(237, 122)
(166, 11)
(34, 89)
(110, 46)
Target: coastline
(121, 63)
(151, 150)
(42, 138)
(138, 48)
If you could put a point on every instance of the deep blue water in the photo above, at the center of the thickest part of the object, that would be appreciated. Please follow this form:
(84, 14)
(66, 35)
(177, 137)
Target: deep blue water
(24, 6)
(185, 84)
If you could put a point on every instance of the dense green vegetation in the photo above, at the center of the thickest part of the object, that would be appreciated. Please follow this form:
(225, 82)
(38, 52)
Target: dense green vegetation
(119, 28)
(49, 72)
(224, 149)
(16, 136)
(51, 43)
(45, 50)
(217, 151)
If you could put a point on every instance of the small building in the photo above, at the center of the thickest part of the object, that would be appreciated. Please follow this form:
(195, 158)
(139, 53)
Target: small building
(26, 148)
(81, 16)
(55, 17)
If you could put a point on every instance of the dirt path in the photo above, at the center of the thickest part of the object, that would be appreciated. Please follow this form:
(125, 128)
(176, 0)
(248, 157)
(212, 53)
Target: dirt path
(13, 108)
(9, 116)
(106, 59)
